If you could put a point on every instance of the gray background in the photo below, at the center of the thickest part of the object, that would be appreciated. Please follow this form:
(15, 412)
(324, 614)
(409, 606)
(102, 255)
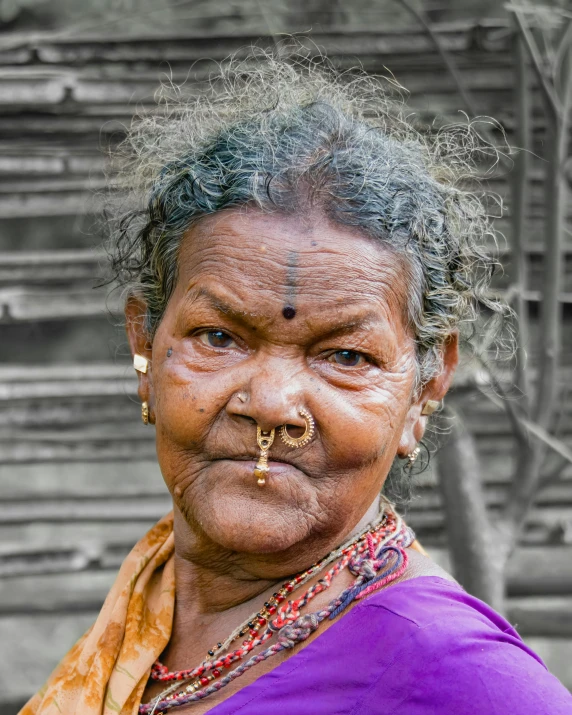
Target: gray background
(78, 478)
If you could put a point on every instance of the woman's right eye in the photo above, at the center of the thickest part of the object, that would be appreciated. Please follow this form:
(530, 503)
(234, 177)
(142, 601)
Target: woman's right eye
(217, 339)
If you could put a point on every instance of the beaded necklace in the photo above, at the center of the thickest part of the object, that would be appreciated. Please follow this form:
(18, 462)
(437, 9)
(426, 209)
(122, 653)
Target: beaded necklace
(376, 557)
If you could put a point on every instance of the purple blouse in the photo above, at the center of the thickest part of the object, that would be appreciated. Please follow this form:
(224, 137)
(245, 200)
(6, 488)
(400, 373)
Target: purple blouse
(421, 647)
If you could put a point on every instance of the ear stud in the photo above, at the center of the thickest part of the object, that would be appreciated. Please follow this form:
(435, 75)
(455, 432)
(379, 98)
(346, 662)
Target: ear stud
(140, 363)
(430, 407)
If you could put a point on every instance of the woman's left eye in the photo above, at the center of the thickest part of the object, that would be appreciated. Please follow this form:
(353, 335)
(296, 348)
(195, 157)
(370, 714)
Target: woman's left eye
(347, 358)
(216, 339)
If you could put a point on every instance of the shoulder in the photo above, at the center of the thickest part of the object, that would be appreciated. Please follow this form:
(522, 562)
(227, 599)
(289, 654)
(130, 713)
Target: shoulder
(451, 653)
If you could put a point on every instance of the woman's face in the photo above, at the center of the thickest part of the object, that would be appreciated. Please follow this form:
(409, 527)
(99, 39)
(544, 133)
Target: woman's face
(271, 314)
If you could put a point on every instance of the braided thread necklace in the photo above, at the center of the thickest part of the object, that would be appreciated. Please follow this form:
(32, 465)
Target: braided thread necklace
(376, 557)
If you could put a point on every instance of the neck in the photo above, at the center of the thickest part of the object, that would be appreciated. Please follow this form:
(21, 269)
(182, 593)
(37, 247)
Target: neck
(211, 580)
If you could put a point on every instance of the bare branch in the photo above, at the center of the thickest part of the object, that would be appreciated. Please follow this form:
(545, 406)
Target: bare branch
(455, 74)
(548, 91)
(477, 560)
(555, 474)
(564, 46)
(533, 428)
(526, 480)
(555, 192)
(519, 190)
(506, 404)
(453, 71)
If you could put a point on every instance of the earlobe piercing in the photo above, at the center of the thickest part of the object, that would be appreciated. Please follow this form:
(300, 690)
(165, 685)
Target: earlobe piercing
(430, 407)
(412, 457)
(140, 363)
(145, 412)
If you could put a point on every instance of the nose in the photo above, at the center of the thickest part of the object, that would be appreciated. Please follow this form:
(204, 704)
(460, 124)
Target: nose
(275, 393)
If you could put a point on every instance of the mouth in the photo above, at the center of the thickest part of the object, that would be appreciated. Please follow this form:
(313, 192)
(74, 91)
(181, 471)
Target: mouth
(239, 469)
(243, 466)
(253, 460)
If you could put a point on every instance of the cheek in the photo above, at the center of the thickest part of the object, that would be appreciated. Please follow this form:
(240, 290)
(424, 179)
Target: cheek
(365, 427)
(186, 403)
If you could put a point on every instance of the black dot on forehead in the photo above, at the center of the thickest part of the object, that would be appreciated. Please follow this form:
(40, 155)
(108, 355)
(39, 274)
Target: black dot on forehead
(289, 312)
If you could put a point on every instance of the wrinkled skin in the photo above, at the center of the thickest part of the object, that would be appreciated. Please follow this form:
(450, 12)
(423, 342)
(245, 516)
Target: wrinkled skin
(224, 358)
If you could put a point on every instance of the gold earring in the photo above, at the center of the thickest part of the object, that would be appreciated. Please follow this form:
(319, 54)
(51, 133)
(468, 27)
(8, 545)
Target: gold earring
(140, 363)
(412, 457)
(264, 440)
(145, 412)
(308, 432)
(430, 407)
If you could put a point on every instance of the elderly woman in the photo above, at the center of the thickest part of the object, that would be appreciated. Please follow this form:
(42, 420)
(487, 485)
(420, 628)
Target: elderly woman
(298, 271)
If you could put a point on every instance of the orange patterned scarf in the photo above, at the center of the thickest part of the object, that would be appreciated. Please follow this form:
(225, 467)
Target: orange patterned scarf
(106, 672)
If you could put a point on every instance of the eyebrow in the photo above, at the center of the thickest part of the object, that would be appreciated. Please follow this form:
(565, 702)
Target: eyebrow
(219, 304)
(347, 326)
(240, 315)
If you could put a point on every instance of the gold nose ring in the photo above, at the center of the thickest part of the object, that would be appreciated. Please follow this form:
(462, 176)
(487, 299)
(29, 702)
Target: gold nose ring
(308, 432)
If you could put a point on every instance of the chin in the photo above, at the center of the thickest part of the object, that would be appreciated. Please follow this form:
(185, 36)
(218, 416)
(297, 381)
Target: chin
(258, 538)
(233, 511)
(245, 525)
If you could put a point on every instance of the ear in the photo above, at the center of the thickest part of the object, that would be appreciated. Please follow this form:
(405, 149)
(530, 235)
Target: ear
(435, 389)
(135, 311)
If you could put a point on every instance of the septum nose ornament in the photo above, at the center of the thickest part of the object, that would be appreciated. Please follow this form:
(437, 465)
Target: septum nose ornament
(265, 438)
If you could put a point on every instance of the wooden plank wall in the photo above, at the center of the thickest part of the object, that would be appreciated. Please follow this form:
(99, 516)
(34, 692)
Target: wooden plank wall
(78, 477)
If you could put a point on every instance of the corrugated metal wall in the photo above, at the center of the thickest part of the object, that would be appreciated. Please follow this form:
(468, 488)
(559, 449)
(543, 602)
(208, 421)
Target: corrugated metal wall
(78, 478)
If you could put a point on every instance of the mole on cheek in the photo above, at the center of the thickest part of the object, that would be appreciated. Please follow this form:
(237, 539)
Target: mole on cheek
(289, 312)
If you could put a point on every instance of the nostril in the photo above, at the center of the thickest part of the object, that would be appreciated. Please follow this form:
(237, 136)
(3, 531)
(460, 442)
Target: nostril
(245, 418)
(295, 430)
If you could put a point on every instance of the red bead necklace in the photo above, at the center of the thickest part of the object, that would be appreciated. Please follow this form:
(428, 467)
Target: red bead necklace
(389, 528)
(251, 627)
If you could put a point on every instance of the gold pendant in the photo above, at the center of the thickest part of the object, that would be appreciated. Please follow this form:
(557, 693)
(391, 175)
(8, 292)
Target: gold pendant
(264, 440)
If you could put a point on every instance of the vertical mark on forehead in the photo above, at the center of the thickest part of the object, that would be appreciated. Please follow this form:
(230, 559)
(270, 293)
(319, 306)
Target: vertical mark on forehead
(289, 311)
(292, 273)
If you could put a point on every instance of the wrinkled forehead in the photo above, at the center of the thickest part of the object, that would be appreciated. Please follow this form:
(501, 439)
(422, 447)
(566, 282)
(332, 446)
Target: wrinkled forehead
(298, 261)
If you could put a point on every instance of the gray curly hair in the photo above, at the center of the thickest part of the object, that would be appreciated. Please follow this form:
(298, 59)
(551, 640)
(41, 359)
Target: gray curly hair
(282, 134)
